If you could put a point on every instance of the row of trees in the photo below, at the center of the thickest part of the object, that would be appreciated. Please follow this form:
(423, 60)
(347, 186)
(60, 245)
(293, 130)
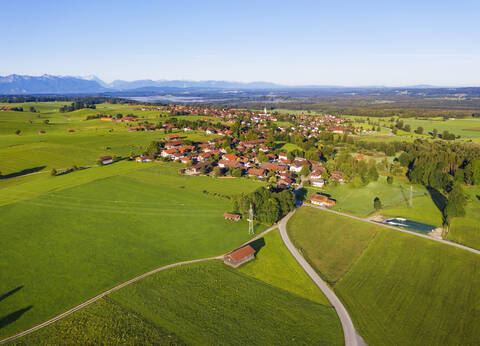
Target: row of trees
(268, 206)
(77, 105)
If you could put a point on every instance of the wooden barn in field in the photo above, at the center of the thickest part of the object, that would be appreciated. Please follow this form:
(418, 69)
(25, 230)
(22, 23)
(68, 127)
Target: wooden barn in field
(239, 256)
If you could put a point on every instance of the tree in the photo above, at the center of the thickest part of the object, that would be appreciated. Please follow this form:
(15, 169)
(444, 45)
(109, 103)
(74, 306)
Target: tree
(372, 174)
(53, 172)
(390, 180)
(305, 170)
(377, 204)
(46, 121)
(17, 132)
(476, 171)
(456, 202)
(407, 128)
(434, 133)
(236, 172)
(419, 130)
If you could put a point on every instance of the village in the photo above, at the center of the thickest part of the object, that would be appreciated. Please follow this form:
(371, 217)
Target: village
(243, 146)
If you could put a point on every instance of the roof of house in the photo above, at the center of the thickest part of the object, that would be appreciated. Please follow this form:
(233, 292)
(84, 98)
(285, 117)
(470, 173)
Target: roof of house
(104, 158)
(241, 253)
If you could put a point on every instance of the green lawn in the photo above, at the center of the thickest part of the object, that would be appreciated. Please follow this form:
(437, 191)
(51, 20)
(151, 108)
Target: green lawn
(466, 230)
(203, 304)
(71, 237)
(359, 201)
(276, 266)
(327, 243)
(104, 322)
(210, 303)
(402, 289)
(423, 210)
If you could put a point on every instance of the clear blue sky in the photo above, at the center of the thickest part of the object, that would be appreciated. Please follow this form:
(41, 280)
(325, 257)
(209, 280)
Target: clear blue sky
(289, 42)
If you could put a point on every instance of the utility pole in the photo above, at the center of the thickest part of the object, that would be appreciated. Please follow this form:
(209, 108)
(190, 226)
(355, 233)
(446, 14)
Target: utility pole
(250, 221)
(411, 195)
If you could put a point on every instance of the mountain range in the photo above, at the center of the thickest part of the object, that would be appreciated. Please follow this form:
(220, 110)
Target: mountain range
(48, 84)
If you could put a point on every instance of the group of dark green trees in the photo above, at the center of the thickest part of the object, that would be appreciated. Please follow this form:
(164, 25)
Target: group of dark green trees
(444, 167)
(268, 206)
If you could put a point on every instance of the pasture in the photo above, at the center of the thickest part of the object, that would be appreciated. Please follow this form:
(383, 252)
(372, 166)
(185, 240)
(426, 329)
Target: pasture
(70, 237)
(398, 288)
(359, 201)
(275, 266)
(205, 303)
(466, 230)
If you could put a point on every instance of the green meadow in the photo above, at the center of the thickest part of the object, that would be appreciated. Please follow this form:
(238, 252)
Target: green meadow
(61, 148)
(68, 238)
(398, 288)
(359, 201)
(466, 230)
(208, 303)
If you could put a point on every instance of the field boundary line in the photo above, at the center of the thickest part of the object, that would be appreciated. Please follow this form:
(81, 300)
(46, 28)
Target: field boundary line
(442, 241)
(101, 295)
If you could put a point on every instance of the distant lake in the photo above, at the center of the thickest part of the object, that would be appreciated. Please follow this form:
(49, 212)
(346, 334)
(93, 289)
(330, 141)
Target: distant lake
(171, 98)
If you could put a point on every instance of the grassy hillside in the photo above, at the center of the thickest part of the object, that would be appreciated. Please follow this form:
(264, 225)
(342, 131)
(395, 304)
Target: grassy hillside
(423, 210)
(104, 322)
(466, 230)
(403, 289)
(360, 201)
(276, 266)
(64, 244)
(202, 304)
(327, 243)
(227, 304)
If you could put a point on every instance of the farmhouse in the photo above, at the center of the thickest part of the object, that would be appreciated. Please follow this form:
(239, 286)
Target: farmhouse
(196, 169)
(239, 256)
(144, 158)
(321, 200)
(232, 217)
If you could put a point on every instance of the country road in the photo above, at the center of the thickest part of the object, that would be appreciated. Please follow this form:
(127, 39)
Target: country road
(351, 336)
(446, 242)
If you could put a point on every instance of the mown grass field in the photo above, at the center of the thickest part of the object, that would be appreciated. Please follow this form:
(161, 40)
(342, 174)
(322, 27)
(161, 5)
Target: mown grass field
(359, 201)
(60, 148)
(67, 238)
(423, 210)
(332, 251)
(466, 230)
(467, 129)
(275, 266)
(204, 304)
(399, 288)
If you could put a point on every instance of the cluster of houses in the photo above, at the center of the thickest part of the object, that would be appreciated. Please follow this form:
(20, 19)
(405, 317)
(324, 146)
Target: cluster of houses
(202, 157)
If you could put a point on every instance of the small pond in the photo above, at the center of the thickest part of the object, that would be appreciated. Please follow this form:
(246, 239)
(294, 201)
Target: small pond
(411, 225)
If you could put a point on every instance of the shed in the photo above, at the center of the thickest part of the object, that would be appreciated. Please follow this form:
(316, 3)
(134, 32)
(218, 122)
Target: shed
(239, 256)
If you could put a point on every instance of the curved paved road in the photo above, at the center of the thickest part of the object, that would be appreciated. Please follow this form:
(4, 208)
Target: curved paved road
(101, 295)
(349, 332)
(446, 242)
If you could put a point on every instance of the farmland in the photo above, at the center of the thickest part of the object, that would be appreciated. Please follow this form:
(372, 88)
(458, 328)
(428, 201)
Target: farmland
(399, 289)
(189, 304)
(359, 201)
(88, 230)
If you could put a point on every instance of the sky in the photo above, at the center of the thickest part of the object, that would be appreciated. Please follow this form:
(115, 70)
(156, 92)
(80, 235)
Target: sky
(349, 43)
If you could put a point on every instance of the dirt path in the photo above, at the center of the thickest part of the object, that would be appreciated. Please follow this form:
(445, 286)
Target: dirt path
(101, 295)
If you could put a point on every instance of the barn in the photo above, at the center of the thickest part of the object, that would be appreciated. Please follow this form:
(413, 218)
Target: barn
(239, 256)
